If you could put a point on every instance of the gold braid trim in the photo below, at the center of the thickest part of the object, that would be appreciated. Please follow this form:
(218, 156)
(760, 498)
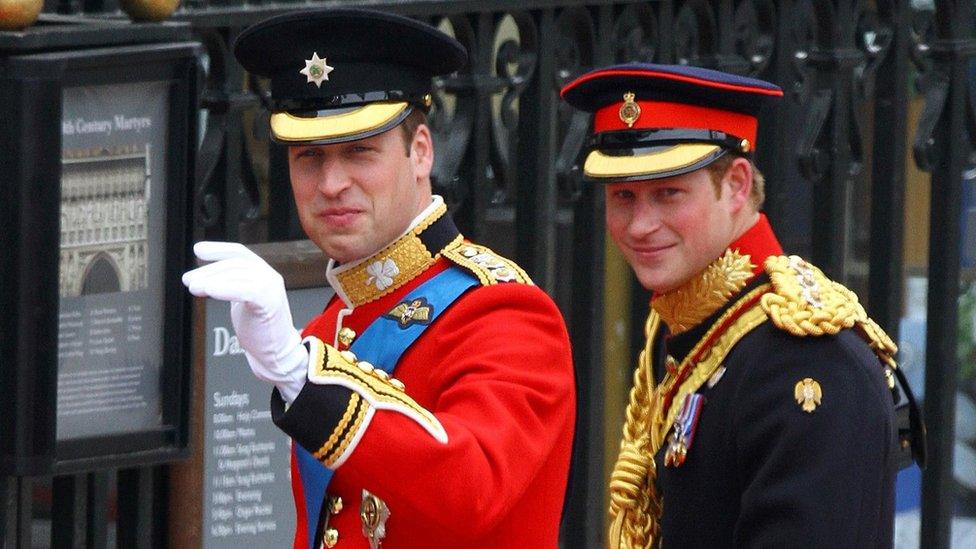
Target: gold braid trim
(635, 506)
(879, 341)
(330, 459)
(695, 300)
(331, 366)
(712, 359)
(409, 257)
(489, 267)
(805, 302)
(326, 450)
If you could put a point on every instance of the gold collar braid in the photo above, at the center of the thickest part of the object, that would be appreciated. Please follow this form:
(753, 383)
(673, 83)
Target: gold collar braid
(393, 266)
(687, 305)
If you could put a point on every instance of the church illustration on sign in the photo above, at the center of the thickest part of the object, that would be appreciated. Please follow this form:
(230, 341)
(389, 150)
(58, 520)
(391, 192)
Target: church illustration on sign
(104, 218)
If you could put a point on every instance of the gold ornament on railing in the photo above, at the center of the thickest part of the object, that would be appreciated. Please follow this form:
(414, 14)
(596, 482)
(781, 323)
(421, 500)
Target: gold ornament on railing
(19, 14)
(149, 10)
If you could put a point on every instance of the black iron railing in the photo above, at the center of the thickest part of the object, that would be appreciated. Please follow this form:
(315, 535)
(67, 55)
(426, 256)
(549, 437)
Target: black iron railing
(834, 153)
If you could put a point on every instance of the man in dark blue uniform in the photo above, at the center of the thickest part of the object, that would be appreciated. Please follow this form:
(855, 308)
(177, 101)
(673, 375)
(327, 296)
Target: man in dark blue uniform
(763, 409)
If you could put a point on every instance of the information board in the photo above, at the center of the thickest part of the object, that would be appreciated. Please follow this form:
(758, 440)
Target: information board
(113, 186)
(98, 167)
(246, 484)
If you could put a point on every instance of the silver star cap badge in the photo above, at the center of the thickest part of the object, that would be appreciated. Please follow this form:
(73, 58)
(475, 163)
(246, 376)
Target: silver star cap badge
(316, 70)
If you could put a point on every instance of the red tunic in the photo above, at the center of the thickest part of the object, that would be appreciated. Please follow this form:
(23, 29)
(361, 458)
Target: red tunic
(496, 370)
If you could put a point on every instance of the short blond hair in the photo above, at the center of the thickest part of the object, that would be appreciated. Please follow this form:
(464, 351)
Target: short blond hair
(718, 168)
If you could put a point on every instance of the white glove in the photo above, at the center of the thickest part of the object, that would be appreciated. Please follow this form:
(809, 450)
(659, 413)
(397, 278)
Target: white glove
(259, 311)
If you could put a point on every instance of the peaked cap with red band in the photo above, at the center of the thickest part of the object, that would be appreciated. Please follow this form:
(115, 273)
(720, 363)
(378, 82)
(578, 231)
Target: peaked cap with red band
(654, 121)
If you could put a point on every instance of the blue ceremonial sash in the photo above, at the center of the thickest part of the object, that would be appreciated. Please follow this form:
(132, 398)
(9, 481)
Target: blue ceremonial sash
(382, 343)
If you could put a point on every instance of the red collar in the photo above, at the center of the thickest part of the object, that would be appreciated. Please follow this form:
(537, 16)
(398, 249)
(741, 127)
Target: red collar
(759, 242)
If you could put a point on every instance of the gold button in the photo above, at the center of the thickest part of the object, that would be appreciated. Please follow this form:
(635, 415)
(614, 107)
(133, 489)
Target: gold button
(346, 336)
(335, 505)
(348, 356)
(397, 384)
(331, 537)
(381, 374)
(366, 367)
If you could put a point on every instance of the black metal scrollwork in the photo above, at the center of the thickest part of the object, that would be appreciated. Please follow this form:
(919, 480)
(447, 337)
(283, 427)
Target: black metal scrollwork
(695, 34)
(515, 56)
(754, 28)
(574, 54)
(216, 198)
(208, 203)
(635, 35)
(814, 60)
(933, 86)
(451, 119)
(873, 36)
(804, 31)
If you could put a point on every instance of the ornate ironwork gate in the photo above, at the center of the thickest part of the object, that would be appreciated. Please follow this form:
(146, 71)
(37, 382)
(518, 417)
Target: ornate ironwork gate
(835, 153)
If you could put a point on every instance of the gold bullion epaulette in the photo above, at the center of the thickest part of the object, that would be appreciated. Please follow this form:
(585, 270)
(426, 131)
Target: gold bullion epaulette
(804, 302)
(489, 267)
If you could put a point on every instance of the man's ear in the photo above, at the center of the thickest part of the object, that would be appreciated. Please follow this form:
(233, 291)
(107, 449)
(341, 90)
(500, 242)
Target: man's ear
(422, 152)
(738, 181)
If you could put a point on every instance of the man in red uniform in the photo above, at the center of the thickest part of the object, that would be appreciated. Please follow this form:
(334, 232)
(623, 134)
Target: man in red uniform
(467, 442)
(763, 404)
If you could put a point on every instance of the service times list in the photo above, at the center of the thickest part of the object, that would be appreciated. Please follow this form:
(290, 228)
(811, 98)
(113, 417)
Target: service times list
(247, 485)
(245, 467)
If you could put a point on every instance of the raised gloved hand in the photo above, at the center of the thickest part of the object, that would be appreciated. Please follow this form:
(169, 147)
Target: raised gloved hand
(259, 311)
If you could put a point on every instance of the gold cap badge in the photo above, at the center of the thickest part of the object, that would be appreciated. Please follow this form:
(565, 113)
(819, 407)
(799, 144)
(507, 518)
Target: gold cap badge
(808, 394)
(629, 111)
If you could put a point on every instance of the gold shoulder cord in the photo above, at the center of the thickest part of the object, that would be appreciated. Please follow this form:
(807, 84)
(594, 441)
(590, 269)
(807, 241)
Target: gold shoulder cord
(489, 267)
(807, 303)
(634, 502)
